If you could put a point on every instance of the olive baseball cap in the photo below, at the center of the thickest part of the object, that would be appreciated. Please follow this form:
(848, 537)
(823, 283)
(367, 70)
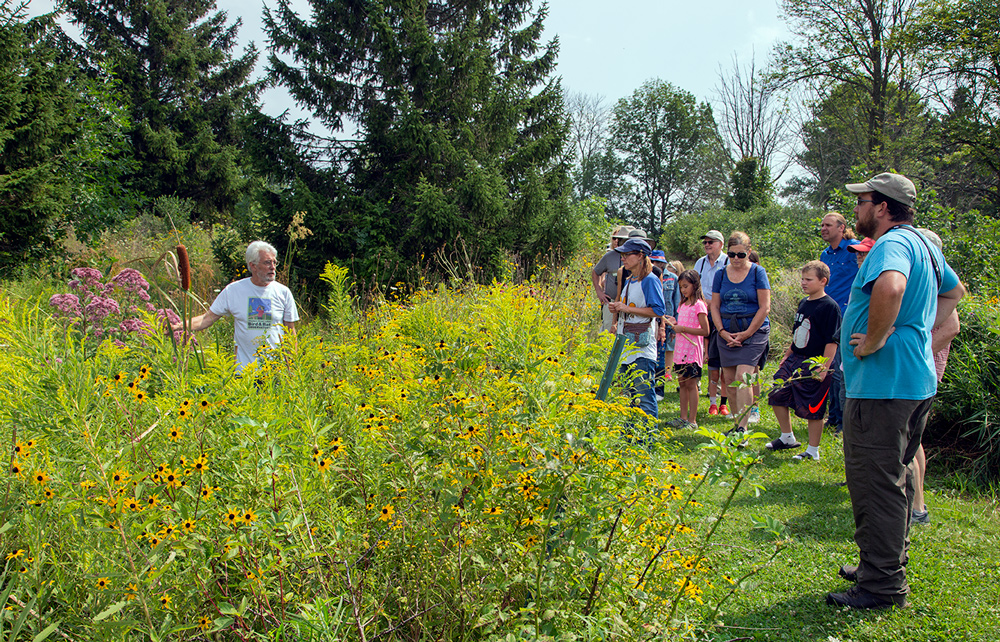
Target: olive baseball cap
(895, 186)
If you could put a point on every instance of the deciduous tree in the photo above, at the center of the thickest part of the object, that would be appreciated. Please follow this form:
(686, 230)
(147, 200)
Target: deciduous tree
(671, 154)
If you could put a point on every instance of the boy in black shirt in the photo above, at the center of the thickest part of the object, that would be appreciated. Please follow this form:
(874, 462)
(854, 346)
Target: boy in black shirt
(815, 334)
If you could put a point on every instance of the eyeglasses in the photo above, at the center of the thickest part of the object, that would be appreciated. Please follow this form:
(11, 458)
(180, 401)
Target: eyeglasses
(272, 263)
(709, 242)
(631, 253)
(737, 255)
(865, 200)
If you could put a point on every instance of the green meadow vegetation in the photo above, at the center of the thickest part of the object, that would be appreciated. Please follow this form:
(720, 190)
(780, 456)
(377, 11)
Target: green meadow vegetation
(431, 468)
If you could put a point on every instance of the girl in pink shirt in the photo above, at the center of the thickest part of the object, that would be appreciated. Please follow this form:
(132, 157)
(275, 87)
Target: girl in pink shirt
(689, 350)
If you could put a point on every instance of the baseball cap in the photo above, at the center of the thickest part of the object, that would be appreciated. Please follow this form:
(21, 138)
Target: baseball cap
(863, 246)
(658, 256)
(895, 186)
(634, 245)
(715, 235)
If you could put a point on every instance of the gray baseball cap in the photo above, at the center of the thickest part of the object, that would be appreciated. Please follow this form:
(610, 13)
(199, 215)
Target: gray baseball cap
(715, 235)
(895, 186)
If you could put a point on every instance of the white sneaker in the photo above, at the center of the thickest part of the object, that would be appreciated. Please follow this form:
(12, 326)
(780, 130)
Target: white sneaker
(754, 415)
(659, 397)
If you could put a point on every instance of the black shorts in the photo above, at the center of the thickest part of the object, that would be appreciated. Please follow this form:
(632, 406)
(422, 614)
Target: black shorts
(687, 371)
(806, 397)
(712, 355)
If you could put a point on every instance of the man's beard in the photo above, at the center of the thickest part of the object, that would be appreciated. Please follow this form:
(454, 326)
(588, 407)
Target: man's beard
(867, 226)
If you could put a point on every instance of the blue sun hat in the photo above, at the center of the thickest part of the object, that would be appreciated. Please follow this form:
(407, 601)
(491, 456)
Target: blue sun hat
(658, 256)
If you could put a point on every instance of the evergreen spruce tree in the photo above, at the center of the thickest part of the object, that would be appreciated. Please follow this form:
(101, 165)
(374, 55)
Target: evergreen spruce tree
(39, 129)
(460, 127)
(184, 89)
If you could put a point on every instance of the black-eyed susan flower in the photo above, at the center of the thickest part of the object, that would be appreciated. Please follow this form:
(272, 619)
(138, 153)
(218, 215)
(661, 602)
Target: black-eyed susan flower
(200, 464)
(133, 505)
(206, 491)
(386, 513)
(48, 493)
(140, 395)
(188, 525)
(204, 623)
(203, 404)
(16, 469)
(16, 554)
(530, 541)
(324, 464)
(152, 501)
(103, 583)
(131, 592)
(165, 601)
(232, 517)
(493, 510)
(249, 517)
(176, 434)
(40, 477)
(119, 377)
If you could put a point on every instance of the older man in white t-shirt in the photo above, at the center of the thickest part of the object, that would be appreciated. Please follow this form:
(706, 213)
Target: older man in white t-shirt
(261, 307)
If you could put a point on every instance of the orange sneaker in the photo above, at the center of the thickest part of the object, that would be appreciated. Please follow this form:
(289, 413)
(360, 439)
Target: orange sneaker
(723, 410)
(713, 409)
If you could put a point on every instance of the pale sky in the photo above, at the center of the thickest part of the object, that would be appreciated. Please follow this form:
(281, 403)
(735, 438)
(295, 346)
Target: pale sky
(611, 48)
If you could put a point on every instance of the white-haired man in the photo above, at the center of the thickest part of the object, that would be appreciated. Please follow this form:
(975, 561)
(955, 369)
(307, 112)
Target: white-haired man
(261, 307)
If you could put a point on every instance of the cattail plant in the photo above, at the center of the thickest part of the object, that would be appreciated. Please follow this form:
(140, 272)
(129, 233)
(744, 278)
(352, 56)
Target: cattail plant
(184, 267)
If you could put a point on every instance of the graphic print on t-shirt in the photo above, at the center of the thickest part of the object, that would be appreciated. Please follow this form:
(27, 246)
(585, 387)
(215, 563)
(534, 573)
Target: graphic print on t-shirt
(736, 301)
(801, 335)
(258, 313)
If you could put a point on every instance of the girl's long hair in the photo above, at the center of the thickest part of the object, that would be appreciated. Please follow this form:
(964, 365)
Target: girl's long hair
(692, 277)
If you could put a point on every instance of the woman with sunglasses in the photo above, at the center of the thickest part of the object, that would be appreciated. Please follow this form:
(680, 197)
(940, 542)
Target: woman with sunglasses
(741, 301)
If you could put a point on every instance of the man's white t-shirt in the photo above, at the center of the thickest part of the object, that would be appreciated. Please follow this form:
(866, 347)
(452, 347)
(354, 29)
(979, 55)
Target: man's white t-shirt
(258, 313)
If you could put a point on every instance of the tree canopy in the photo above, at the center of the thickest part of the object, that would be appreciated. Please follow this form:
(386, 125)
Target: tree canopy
(459, 123)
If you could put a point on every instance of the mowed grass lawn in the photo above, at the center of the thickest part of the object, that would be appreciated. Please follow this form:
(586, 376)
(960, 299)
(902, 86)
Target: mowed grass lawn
(954, 568)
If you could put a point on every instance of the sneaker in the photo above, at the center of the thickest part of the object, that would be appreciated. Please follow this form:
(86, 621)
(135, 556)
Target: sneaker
(659, 397)
(920, 516)
(858, 598)
(691, 426)
(754, 415)
(723, 410)
(805, 455)
(778, 444)
(736, 430)
(714, 410)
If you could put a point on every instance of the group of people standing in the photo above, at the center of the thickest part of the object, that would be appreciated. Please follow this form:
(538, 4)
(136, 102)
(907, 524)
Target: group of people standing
(876, 316)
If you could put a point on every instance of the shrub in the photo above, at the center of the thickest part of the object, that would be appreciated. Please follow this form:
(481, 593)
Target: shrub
(783, 235)
(967, 407)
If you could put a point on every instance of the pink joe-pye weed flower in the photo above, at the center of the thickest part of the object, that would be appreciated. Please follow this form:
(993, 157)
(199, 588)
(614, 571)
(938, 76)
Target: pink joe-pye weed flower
(66, 304)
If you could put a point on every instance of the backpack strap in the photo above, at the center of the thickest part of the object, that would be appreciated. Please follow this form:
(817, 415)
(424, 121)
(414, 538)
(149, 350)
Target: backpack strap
(923, 239)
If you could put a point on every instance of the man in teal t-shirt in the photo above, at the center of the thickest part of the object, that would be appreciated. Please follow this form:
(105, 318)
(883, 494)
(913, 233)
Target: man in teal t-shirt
(903, 289)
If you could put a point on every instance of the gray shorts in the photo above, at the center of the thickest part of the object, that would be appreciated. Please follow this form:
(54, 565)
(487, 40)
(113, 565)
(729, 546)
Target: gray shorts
(748, 354)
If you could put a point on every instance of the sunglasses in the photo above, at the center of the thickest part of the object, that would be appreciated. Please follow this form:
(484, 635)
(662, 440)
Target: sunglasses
(737, 255)
(709, 242)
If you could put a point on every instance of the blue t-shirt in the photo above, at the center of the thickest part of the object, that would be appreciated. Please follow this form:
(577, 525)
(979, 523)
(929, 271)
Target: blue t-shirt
(740, 299)
(904, 367)
(843, 266)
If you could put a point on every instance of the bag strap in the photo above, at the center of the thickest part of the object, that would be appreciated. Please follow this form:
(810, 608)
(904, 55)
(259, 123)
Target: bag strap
(923, 239)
